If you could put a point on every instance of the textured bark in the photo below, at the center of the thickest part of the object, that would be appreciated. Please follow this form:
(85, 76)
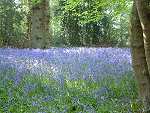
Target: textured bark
(40, 36)
(144, 15)
(138, 57)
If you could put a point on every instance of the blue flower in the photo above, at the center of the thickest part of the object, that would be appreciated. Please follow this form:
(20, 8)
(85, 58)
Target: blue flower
(68, 62)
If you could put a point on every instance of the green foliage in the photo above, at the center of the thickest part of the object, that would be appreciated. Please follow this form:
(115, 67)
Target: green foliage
(11, 18)
(36, 93)
(73, 22)
(92, 23)
(35, 2)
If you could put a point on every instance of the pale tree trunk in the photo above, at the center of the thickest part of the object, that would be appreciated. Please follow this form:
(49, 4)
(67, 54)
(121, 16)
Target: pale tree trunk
(40, 36)
(138, 57)
(144, 15)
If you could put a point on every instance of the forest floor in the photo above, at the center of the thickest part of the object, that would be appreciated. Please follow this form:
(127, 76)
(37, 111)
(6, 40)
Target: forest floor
(75, 80)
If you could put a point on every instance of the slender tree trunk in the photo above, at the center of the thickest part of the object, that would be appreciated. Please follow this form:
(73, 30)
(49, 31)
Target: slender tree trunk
(27, 41)
(138, 57)
(144, 15)
(40, 36)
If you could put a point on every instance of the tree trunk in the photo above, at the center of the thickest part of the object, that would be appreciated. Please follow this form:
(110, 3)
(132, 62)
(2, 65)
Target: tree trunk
(40, 36)
(138, 57)
(144, 15)
(27, 41)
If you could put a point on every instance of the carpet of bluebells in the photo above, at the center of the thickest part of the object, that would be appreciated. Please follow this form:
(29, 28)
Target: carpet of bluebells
(67, 80)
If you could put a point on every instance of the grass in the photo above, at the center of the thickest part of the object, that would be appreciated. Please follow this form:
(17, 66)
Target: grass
(42, 94)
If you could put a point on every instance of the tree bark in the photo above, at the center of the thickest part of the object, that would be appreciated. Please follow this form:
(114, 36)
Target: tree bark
(138, 57)
(40, 36)
(144, 15)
